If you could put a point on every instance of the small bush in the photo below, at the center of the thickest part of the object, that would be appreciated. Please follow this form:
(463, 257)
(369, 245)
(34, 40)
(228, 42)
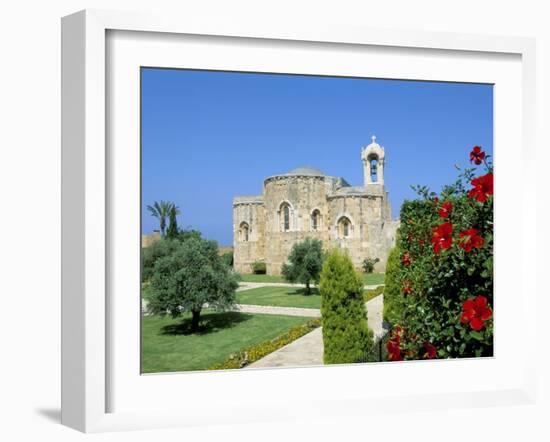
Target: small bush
(368, 264)
(373, 293)
(227, 258)
(346, 335)
(258, 351)
(259, 268)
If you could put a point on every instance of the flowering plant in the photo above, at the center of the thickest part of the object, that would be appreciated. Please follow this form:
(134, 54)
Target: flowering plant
(440, 289)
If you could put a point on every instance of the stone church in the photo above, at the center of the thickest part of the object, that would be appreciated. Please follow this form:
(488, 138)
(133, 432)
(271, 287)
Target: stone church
(307, 203)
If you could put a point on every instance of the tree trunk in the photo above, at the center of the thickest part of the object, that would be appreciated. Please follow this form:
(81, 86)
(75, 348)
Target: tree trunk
(308, 290)
(195, 320)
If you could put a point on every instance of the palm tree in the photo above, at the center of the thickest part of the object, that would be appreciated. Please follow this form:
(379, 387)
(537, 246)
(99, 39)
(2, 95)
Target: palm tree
(161, 210)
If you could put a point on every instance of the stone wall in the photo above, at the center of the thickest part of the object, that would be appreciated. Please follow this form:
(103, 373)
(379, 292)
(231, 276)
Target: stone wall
(147, 240)
(304, 194)
(370, 230)
(251, 211)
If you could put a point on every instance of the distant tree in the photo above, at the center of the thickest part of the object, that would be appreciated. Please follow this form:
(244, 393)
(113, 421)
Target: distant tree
(149, 255)
(304, 263)
(173, 230)
(346, 335)
(190, 277)
(185, 234)
(227, 258)
(161, 210)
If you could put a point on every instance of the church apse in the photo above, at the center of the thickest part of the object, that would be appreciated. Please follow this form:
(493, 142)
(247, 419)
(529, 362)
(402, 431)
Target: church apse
(305, 202)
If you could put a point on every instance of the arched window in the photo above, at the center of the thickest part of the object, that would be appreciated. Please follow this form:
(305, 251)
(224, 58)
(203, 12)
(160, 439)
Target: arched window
(316, 220)
(373, 161)
(344, 227)
(284, 217)
(244, 231)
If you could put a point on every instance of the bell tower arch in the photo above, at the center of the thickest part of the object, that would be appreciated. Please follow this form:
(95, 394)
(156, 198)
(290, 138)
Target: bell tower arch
(373, 163)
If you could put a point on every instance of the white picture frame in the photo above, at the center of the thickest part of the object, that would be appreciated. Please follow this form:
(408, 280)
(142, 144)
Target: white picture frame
(86, 208)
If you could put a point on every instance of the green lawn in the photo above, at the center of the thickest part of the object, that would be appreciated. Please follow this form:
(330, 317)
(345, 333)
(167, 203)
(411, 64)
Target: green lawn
(373, 278)
(369, 278)
(280, 297)
(261, 278)
(289, 297)
(167, 344)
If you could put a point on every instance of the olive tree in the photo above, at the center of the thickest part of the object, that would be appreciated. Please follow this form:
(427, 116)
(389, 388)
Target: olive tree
(190, 277)
(304, 263)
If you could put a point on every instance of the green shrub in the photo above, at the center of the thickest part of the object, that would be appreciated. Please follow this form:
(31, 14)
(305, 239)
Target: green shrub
(346, 335)
(259, 268)
(393, 286)
(227, 258)
(149, 255)
(304, 263)
(368, 264)
(439, 284)
(258, 351)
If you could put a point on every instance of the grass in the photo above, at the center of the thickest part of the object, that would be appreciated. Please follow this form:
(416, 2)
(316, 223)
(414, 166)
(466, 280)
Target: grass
(373, 278)
(168, 345)
(261, 278)
(280, 297)
(290, 297)
(368, 278)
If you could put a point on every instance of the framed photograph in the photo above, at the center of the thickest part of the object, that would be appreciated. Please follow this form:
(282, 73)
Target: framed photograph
(276, 222)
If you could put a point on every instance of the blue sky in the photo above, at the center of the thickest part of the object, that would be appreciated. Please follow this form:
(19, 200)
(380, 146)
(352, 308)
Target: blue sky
(209, 136)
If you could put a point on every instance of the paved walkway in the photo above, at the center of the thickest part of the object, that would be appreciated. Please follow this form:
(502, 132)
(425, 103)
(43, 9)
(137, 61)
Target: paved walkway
(272, 310)
(308, 350)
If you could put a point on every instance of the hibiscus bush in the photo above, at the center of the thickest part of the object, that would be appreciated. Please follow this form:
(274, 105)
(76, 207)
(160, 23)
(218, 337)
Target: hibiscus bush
(441, 297)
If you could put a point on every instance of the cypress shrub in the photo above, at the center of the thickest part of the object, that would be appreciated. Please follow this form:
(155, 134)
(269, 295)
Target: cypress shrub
(393, 287)
(346, 335)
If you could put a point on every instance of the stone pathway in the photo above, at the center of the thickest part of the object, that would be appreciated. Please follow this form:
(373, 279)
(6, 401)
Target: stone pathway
(308, 350)
(375, 312)
(272, 310)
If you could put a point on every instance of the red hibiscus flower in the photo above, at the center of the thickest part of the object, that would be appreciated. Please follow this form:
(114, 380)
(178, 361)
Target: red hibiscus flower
(431, 351)
(475, 312)
(394, 351)
(446, 209)
(406, 259)
(469, 239)
(407, 289)
(483, 187)
(477, 155)
(441, 237)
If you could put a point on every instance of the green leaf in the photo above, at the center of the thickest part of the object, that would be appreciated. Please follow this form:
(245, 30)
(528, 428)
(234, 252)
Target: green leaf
(477, 335)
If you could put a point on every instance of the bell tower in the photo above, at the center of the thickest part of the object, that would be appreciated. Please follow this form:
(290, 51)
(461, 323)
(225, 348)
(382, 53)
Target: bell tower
(373, 163)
